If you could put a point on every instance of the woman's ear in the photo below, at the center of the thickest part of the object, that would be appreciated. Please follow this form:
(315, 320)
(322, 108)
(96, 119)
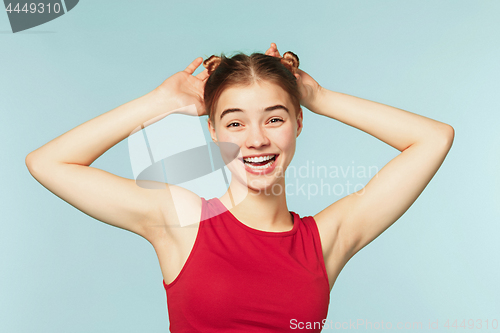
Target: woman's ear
(299, 122)
(211, 129)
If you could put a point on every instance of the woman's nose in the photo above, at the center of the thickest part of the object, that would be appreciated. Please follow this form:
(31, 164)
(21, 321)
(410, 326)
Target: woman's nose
(257, 137)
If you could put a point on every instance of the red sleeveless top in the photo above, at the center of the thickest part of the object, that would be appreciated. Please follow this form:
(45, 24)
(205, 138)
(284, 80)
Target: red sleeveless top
(240, 279)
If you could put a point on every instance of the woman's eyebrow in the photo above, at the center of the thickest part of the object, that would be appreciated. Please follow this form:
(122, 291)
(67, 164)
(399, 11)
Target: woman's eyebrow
(270, 108)
(276, 107)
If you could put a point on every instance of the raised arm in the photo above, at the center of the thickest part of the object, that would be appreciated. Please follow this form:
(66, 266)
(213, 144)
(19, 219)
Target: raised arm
(352, 222)
(63, 164)
(360, 217)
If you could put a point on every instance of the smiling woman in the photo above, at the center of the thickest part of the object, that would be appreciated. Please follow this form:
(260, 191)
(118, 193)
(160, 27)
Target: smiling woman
(254, 101)
(246, 263)
(257, 118)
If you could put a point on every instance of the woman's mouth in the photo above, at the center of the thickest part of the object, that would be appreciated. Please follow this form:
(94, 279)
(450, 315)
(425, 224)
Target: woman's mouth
(260, 165)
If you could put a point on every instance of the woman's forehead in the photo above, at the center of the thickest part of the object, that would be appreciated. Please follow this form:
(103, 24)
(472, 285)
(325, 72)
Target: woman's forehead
(257, 96)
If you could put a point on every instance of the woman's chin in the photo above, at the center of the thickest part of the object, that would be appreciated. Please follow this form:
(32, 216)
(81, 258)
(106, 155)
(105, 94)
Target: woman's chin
(270, 187)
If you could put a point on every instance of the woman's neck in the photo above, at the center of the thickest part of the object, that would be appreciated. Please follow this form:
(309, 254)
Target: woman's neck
(262, 210)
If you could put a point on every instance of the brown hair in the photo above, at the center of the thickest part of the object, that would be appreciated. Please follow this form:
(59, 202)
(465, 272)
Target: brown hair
(242, 69)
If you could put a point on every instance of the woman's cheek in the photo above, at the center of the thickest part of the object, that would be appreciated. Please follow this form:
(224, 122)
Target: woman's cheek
(286, 138)
(229, 137)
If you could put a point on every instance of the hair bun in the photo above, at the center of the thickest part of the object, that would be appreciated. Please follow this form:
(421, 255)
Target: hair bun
(212, 63)
(291, 61)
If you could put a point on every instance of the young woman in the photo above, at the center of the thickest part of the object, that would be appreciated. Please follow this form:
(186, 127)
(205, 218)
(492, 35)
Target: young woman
(244, 262)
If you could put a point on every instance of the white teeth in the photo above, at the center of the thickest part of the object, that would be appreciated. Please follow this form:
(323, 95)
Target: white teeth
(259, 159)
(260, 166)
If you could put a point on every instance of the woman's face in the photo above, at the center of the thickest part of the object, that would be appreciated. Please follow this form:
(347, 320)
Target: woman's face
(262, 121)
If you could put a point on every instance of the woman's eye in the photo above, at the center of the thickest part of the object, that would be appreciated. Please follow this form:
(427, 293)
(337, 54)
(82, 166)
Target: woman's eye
(278, 120)
(233, 124)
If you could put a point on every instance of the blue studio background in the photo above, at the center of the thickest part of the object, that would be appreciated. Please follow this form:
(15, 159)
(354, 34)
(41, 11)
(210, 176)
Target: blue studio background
(63, 271)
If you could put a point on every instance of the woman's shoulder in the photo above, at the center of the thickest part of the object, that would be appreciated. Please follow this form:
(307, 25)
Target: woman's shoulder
(306, 222)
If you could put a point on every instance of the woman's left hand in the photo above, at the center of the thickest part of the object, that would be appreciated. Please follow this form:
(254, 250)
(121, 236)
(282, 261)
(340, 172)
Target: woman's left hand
(308, 87)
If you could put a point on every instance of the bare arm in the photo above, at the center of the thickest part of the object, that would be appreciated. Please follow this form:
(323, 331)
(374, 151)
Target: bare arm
(360, 217)
(63, 164)
(352, 222)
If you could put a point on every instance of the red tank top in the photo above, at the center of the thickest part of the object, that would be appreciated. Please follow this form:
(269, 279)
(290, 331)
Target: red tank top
(240, 279)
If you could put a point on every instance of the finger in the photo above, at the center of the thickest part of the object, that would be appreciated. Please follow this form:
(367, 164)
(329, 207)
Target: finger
(203, 75)
(192, 66)
(270, 50)
(275, 50)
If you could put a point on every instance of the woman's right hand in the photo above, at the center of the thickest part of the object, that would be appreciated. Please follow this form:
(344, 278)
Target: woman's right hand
(183, 89)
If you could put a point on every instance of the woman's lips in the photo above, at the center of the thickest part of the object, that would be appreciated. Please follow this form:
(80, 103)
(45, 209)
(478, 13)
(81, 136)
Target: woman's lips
(261, 171)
